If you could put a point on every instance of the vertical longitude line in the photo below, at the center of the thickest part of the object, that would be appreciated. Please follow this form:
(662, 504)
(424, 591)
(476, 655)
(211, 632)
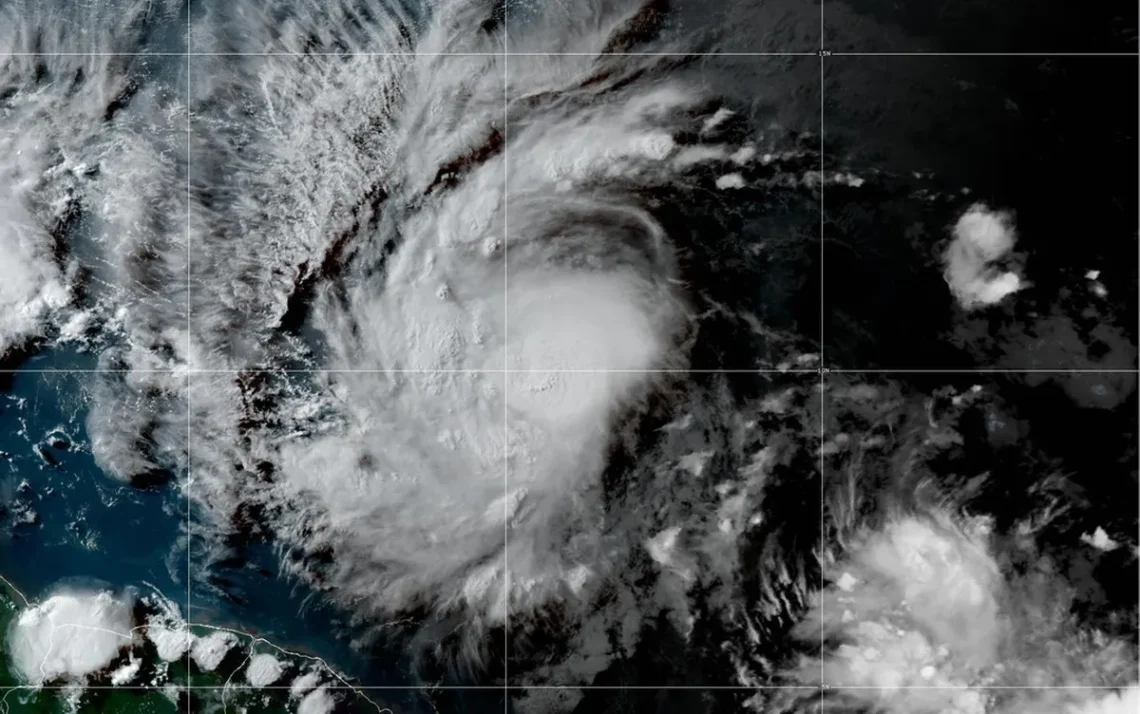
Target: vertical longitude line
(506, 429)
(189, 386)
(822, 363)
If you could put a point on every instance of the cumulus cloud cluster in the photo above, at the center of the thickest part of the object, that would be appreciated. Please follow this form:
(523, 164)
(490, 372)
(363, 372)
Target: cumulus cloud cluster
(1127, 700)
(927, 622)
(31, 282)
(209, 651)
(263, 669)
(70, 635)
(980, 237)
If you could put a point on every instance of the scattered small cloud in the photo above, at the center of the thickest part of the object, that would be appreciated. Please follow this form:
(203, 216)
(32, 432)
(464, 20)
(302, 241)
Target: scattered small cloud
(1100, 540)
(928, 621)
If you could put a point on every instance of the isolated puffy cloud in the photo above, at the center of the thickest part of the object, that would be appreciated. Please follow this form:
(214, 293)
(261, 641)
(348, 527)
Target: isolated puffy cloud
(318, 701)
(304, 684)
(980, 237)
(209, 651)
(70, 635)
(263, 669)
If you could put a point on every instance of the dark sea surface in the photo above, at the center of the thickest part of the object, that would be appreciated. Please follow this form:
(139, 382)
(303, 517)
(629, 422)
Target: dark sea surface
(87, 526)
(90, 528)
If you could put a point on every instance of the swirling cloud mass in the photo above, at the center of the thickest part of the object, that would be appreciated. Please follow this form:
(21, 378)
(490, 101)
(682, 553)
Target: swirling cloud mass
(430, 308)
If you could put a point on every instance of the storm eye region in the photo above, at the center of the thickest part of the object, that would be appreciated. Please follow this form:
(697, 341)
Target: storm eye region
(480, 398)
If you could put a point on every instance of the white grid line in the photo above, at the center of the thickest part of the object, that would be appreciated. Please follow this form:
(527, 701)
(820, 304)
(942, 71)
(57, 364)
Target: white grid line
(775, 53)
(189, 352)
(839, 53)
(527, 687)
(589, 687)
(822, 347)
(814, 370)
(506, 364)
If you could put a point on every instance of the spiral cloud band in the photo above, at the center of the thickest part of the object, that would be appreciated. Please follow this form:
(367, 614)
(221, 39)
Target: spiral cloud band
(465, 246)
(463, 303)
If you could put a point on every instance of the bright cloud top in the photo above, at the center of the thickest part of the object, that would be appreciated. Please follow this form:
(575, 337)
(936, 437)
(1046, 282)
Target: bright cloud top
(70, 635)
(32, 283)
(418, 481)
(981, 236)
(318, 701)
(263, 670)
(1125, 702)
(926, 621)
(372, 215)
(208, 652)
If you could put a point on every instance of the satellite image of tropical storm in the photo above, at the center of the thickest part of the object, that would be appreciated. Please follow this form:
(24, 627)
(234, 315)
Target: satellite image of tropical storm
(569, 357)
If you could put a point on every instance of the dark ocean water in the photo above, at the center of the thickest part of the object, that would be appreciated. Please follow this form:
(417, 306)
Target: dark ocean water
(89, 527)
(62, 520)
(1054, 140)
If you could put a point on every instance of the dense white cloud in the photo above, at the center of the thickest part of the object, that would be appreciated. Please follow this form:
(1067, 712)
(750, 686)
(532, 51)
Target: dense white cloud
(303, 684)
(1124, 702)
(172, 643)
(73, 181)
(935, 577)
(209, 651)
(409, 479)
(70, 635)
(263, 669)
(927, 622)
(127, 673)
(369, 190)
(387, 173)
(980, 237)
(318, 701)
(33, 282)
